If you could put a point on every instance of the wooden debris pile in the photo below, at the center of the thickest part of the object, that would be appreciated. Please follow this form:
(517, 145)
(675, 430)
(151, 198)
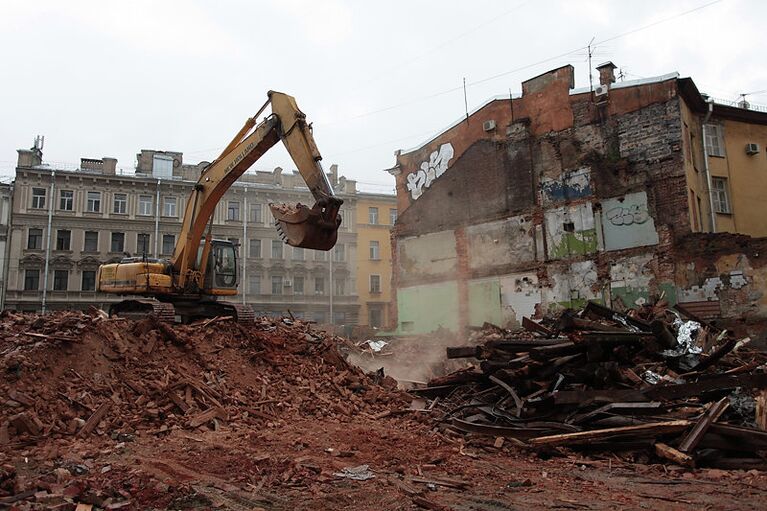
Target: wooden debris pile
(652, 382)
(75, 375)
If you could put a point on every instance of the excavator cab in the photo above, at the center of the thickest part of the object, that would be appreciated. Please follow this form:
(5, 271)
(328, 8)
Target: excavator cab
(221, 270)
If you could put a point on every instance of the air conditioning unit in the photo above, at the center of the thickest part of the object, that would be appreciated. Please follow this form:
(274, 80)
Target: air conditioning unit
(752, 149)
(488, 125)
(601, 90)
(287, 283)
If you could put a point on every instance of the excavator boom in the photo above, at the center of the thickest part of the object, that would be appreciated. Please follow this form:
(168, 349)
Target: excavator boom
(299, 225)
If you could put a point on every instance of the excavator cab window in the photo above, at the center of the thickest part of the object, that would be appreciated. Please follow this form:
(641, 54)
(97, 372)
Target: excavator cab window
(222, 265)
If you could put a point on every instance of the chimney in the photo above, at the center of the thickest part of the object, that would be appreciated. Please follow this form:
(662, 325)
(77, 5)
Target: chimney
(110, 165)
(606, 73)
(333, 174)
(31, 157)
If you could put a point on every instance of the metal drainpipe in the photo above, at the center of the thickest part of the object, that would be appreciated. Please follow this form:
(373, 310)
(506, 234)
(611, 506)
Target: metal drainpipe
(7, 252)
(48, 241)
(157, 221)
(712, 214)
(330, 253)
(244, 240)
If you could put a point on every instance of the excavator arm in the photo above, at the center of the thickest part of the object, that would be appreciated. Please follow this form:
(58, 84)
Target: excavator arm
(315, 228)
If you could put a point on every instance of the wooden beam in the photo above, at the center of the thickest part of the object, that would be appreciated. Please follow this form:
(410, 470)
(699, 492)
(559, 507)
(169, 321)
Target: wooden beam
(694, 437)
(671, 454)
(585, 437)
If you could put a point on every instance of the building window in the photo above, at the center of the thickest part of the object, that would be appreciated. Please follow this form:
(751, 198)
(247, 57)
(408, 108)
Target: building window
(145, 205)
(714, 140)
(63, 237)
(373, 216)
(38, 198)
(91, 241)
(719, 193)
(339, 318)
(118, 242)
(375, 251)
(254, 283)
(93, 203)
(298, 254)
(276, 284)
(168, 243)
(276, 249)
(233, 211)
(31, 280)
(169, 206)
(392, 215)
(142, 243)
(162, 166)
(375, 283)
(375, 317)
(339, 253)
(60, 280)
(35, 239)
(66, 200)
(236, 244)
(89, 280)
(255, 248)
(319, 285)
(121, 203)
(298, 285)
(255, 214)
(340, 287)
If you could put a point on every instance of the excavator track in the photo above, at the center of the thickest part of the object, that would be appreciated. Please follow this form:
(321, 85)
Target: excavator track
(141, 308)
(243, 313)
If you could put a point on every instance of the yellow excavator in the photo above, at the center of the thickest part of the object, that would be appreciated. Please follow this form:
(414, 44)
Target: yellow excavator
(190, 284)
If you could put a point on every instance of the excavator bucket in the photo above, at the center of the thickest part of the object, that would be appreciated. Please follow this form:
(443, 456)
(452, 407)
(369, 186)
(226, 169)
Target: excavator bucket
(315, 228)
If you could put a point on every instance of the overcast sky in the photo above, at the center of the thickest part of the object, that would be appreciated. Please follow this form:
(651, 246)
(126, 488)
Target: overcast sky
(101, 78)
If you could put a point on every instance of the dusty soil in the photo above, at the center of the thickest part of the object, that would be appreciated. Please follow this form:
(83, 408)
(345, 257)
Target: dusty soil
(288, 415)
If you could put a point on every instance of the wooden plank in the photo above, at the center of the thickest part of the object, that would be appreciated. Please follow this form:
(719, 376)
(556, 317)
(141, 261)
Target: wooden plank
(761, 410)
(694, 437)
(576, 397)
(585, 437)
(671, 454)
(544, 353)
(533, 326)
(461, 351)
(208, 415)
(94, 419)
(684, 390)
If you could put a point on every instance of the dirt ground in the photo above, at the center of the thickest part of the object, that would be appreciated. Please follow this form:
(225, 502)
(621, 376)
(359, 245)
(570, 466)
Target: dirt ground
(285, 416)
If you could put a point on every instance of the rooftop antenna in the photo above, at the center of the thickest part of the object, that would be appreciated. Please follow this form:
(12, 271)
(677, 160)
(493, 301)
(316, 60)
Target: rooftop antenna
(465, 100)
(621, 75)
(591, 86)
(743, 103)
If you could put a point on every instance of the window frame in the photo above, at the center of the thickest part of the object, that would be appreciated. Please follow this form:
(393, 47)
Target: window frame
(720, 196)
(113, 238)
(57, 280)
(85, 241)
(173, 203)
(70, 200)
(233, 213)
(93, 204)
(172, 245)
(123, 200)
(59, 238)
(27, 275)
(373, 215)
(714, 140)
(257, 242)
(82, 280)
(371, 288)
(319, 290)
(38, 201)
(38, 238)
(374, 244)
(392, 216)
(296, 280)
(142, 203)
(279, 282)
(277, 244)
(148, 237)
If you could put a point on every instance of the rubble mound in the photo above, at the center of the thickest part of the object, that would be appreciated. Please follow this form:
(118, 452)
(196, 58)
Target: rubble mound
(70, 374)
(652, 381)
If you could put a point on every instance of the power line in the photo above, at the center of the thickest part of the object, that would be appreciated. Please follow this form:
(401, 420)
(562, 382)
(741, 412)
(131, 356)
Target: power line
(521, 68)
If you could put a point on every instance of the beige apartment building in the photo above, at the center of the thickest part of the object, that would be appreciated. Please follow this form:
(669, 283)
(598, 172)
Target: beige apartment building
(69, 221)
(5, 220)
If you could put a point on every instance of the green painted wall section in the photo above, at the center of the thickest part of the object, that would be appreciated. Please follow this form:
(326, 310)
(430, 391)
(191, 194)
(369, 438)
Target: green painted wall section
(575, 243)
(424, 309)
(485, 303)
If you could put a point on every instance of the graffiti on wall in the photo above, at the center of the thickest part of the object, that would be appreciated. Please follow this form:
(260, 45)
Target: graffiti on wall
(626, 222)
(570, 231)
(572, 185)
(430, 170)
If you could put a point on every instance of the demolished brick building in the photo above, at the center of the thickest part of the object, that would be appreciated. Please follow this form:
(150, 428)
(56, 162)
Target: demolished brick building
(560, 196)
